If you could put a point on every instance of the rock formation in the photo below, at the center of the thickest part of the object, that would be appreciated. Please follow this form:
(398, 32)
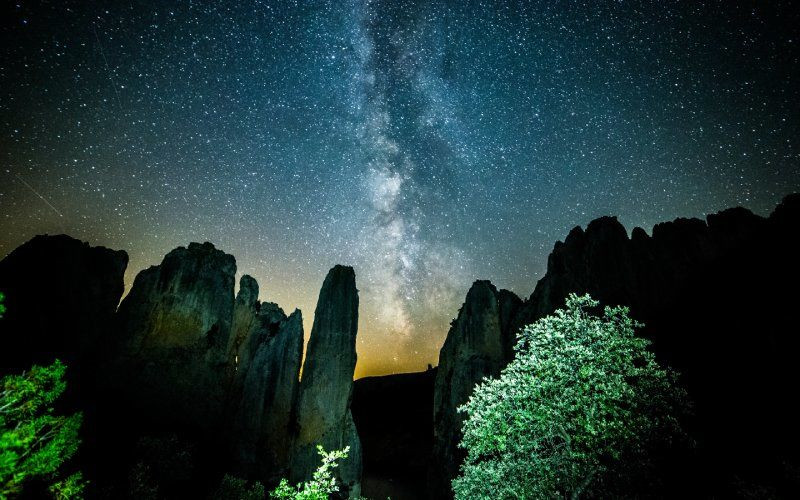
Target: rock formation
(273, 380)
(61, 294)
(182, 360)
(183, 355)
(393, 416)
(716, 299)
(221, 372)
(323, 406)
(477, 346)
(269, 351)
(173, 330)
(243, 327)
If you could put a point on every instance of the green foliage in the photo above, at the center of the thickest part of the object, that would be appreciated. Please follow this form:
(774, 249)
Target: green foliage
(576, 413)
(322, 484)
(234, 488)
(71, 487)
(2, 306)
(35, 443)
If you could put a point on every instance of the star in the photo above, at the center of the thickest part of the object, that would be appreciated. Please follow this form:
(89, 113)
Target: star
(426, 143)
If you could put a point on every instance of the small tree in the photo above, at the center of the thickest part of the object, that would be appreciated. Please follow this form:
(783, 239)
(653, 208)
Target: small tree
(321, 486)
(576, 412)
(35, 443)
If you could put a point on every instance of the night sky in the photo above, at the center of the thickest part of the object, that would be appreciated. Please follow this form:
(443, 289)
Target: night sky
(425, 143)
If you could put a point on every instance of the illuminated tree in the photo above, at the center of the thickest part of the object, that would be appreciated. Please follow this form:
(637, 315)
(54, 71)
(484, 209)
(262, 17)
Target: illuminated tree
(577, 413)
(34, 442)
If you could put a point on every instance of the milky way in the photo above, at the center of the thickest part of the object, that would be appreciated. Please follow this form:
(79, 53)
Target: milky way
(426, 143)
(410, 273)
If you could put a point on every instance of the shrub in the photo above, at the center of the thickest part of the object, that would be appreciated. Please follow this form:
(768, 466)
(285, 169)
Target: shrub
(321, 486)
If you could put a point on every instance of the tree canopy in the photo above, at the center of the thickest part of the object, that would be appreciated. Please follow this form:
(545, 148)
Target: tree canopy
(576, 413)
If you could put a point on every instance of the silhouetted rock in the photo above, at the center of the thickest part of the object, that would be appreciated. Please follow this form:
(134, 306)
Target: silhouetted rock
(717, 297)
(393, 417)
(476, 347)
(323, 405)
(182, 359)
(601, 254)
(787, 213)
(270, 383)
(61, 294)
(217, 372)
(509, 305)
(245, 322)
(253, 324)
(173, 330)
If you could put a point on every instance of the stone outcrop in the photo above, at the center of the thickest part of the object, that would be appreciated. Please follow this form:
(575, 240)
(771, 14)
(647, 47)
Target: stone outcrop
(182, 360)
(195, 359)
(267, 367)
(244, 326)
(173, 331)
(393, 416)
(61, 294)
(477, 346)
(323, 406)
(716, 297)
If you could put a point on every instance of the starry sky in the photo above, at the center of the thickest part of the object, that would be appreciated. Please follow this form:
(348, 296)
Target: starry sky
(425, 143)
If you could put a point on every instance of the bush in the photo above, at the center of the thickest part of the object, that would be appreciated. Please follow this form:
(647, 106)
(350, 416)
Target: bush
(320, 487)
(35, 443)
(578, 412)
